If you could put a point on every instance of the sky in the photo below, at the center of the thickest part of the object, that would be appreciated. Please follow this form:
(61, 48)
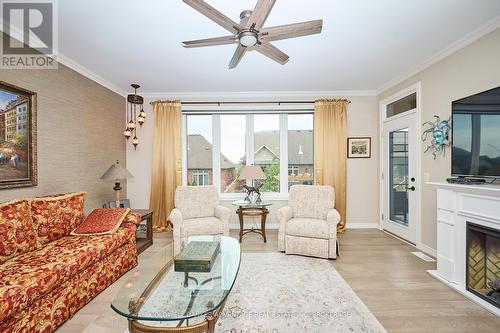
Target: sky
(5, 98)
(233, 129)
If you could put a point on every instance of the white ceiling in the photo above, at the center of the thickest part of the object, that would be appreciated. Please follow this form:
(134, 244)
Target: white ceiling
(364, 43)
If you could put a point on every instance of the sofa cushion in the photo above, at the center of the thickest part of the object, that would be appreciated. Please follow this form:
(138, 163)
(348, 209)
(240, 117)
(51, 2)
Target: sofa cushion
(17, 235)
(28, 277)
(196, 201)
(306, 227)
(101, 221)
(202, 226)
(56, 216)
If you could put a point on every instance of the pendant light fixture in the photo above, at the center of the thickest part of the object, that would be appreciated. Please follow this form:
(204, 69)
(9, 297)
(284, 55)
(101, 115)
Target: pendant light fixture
(136, 116)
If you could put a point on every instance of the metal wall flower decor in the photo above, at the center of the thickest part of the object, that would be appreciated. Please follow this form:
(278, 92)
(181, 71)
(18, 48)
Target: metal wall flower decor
(135, 117)
(440, 130)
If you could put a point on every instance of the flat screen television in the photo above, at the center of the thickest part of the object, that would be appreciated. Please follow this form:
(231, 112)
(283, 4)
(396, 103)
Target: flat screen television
(476, 135)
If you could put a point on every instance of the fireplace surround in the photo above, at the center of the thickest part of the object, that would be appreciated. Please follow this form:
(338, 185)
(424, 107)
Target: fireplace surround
(468, 225)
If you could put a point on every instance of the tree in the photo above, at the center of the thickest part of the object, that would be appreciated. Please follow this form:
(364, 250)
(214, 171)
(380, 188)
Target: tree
(272, 171)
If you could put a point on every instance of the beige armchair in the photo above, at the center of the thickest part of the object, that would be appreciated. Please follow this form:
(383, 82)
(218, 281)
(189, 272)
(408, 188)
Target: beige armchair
(308, 225)
(197, 212)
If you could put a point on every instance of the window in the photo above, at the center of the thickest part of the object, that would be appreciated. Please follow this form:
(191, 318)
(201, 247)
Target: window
(293, 170)
(199, 178)
(267, 149)
(199, 149)
(219, 146)
(233, 152)
(300, 149)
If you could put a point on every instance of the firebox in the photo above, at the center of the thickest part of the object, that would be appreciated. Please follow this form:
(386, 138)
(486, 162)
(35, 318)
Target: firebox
(483, 262)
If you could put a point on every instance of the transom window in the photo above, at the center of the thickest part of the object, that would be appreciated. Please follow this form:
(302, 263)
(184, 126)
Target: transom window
(218, 146)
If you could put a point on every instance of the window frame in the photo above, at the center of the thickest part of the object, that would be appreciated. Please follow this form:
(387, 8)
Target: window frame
(201, 173)
(249, 112)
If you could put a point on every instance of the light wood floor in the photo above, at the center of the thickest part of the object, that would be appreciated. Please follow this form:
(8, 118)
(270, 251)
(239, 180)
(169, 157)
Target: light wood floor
(391, 281)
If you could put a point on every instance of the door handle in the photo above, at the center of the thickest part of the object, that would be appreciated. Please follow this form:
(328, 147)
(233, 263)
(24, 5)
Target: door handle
(410, 188)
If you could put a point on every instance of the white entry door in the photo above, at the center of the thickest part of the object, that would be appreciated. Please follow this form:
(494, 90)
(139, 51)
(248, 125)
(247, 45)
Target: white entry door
(400, 186)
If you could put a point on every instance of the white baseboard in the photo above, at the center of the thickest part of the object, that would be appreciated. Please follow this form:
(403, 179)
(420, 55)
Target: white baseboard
(427, 250)
(363, 225)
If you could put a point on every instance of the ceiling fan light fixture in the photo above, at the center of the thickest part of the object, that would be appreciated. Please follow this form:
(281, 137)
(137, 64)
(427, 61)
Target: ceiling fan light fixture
(248, 38)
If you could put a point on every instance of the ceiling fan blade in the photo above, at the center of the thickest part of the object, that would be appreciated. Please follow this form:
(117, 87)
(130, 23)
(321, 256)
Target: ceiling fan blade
(260, 13)
(272, 52)
(292, 30)
(211, 41)
(214, 15)
(238, 54)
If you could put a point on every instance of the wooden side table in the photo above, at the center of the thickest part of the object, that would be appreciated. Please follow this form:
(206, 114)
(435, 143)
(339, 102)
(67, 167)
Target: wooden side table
(255, 209)
(143, 243)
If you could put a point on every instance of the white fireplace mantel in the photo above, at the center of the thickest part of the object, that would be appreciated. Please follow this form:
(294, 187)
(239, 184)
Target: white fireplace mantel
(456, 205)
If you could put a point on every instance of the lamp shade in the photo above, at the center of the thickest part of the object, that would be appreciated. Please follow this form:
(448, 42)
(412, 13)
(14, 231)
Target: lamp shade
(251, 172)
(116, 171)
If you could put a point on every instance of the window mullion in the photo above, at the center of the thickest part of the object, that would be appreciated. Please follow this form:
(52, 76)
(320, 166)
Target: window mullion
(184, 150)
(283, 153)
(249, 142)
(216, 147)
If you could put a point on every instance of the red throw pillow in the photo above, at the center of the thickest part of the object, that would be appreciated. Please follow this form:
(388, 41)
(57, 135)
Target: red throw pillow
(101, 221)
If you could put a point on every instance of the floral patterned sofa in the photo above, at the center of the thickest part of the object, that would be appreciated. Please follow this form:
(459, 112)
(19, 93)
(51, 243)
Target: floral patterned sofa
(46, 275)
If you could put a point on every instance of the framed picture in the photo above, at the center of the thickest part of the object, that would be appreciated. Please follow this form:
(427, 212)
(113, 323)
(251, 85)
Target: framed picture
(18, 165)
(359, 147)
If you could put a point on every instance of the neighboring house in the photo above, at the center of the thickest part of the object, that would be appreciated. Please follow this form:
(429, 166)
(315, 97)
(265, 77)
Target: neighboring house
(2, 126)
(199, 166)
(300, 153)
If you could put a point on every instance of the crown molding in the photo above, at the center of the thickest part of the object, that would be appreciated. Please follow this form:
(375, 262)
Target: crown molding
(80, 69)
(468, 39)
(256, 95)
(17, 33)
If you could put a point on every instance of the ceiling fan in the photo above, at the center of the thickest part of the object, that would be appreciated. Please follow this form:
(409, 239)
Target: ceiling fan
(250, 34)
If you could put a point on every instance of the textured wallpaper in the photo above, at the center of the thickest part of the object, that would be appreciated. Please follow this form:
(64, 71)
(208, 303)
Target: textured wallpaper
(80, 126)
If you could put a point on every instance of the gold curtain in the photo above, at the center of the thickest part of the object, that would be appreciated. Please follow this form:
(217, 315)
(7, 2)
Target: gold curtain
(330, 150)
(167, 161)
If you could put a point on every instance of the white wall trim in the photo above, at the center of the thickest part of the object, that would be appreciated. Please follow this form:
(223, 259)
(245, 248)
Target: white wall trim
(427, 250)
(256, 95)
(80, 69)
(362, 225)
(468, 39)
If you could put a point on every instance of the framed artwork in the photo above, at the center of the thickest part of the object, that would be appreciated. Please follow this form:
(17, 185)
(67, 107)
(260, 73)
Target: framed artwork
(18, 164)
(359, 147)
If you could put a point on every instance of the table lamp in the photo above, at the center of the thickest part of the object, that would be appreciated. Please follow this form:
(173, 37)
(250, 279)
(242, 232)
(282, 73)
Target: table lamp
(117, 172)
(252, 172)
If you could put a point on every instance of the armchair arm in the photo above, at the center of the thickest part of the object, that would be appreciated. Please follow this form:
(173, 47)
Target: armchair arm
(332, 219)
(284, 214)
(176, 219)
(222, 213)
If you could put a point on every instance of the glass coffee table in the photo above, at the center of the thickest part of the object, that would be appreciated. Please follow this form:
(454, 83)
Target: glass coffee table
(158, 299)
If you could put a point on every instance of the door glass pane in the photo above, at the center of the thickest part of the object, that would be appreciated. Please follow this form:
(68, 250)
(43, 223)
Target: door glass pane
(267, 150)
(402, 105)
(233, 156)
(199, 150)
(398, 176)
(300, 149)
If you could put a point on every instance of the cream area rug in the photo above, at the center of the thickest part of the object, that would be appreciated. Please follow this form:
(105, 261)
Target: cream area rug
(278, 293)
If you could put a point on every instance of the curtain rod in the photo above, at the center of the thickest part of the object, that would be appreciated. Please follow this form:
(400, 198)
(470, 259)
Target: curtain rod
(245, 102)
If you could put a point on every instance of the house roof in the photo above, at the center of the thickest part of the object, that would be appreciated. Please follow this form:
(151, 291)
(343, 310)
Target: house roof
(298, 141)
(200, 154)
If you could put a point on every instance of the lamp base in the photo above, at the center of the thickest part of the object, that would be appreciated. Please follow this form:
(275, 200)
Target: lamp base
(117, 189)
